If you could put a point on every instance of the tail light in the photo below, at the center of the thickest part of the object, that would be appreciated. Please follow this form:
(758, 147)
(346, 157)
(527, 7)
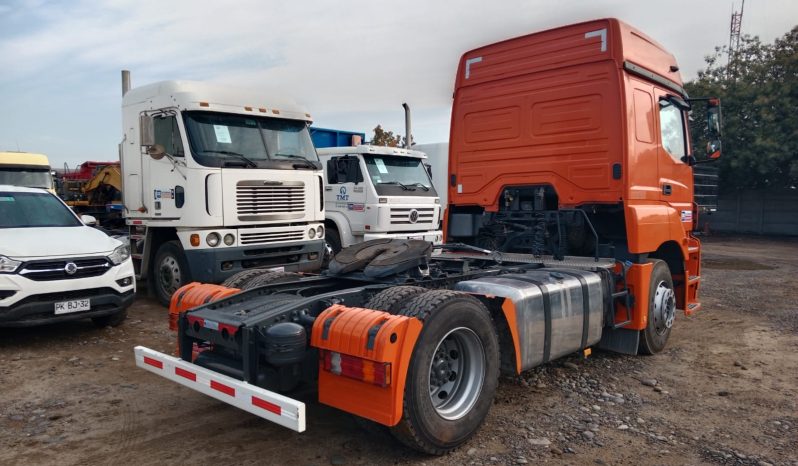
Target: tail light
(377, 373)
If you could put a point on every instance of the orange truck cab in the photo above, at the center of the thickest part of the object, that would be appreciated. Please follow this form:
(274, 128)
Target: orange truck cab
(575, 142)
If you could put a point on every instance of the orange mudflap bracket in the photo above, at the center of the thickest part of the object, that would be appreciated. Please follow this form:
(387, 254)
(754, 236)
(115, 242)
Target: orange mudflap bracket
(638, 279)
(363, 360)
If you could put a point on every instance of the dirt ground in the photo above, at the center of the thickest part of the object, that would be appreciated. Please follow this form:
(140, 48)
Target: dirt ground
(723, 392)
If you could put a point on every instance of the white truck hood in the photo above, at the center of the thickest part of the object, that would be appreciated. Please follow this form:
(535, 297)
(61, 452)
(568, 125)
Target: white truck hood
(31, 243)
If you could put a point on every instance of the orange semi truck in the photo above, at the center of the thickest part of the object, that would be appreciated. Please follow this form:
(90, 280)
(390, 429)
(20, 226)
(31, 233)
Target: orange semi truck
(569, 219)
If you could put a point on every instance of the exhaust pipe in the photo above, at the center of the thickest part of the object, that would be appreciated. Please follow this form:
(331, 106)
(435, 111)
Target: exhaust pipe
(408, 132)
(125, 82)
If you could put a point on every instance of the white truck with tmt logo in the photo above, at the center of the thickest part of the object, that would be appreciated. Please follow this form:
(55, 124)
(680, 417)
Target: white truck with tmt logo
(217, 180)
(378, 192)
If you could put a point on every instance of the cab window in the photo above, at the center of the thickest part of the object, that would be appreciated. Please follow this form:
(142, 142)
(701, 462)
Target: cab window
(671, 124)
(167, 134)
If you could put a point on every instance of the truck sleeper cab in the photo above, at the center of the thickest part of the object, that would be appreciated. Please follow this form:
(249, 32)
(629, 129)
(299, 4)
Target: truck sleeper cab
(575, 141)
(218, 180)
(378, 192)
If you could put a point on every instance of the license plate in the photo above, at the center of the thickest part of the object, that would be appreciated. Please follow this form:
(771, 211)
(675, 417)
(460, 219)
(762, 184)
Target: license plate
(77, 305)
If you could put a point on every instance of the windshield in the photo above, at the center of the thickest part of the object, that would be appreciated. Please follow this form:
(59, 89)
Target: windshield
(226, 140)
(397, 175)
(27, 177)
(26, 210)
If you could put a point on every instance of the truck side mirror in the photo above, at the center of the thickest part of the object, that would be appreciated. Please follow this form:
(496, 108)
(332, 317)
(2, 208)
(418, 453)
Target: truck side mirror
(713, 117)
(713, 149)
(146, 130)
(156, 151)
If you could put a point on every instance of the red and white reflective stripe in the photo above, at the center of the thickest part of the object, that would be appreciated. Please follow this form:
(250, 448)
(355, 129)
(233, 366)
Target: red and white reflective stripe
(252, 399)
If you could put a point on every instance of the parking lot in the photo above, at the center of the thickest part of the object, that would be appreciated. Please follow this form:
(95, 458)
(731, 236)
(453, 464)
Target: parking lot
(725, 391)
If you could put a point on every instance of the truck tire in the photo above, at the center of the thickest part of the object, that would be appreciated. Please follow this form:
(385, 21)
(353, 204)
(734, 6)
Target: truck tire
(333, 239)
(111, 320)
(661, 310)
(241, 278)
(393, 299)
(453, 372)
(169, 271)
(269, 278)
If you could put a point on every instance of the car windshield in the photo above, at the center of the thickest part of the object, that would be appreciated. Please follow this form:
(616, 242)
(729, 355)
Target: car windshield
(399, 175)
(27, 177)
(220, 139)
(28, 210)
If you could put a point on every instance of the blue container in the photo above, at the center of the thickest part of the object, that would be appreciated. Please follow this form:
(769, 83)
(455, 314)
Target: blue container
(323, 137)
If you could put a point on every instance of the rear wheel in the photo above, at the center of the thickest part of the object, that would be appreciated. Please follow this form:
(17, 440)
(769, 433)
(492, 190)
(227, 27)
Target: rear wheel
(169, 271)
(453, 372)
(241, 278)
(270, 278)
(395, 298)
(661, 310)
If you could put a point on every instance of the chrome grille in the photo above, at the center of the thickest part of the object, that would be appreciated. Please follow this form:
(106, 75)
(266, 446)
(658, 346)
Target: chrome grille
(57, 270)
(402, 215)
(264, 200)
(270, 237)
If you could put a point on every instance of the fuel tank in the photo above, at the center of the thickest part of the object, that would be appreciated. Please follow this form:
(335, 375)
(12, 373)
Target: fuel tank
(552, 311)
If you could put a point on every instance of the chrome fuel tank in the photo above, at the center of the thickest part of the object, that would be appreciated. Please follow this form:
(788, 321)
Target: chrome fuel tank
(555, 311)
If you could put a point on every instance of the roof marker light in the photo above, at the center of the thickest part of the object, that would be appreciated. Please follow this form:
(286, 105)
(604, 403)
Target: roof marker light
(204, 104)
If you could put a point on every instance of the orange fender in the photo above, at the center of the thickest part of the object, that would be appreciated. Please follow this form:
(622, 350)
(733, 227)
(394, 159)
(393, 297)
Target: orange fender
(374, 342)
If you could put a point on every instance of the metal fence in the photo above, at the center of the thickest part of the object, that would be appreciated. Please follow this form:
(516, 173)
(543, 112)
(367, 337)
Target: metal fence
(763, 212)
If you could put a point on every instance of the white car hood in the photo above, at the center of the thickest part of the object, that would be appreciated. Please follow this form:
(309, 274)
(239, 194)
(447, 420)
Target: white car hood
(42, 242)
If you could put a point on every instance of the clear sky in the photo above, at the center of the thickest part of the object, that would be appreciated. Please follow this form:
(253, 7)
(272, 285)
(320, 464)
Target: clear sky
(351, 63)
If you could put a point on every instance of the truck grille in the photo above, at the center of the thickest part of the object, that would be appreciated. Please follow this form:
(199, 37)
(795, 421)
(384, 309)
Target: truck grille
(59, 269)
(405, 216)
(279, 201)
(270, 237)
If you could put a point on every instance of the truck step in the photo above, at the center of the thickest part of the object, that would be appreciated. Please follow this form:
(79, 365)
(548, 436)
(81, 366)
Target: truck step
(693, 279)
(692, 308)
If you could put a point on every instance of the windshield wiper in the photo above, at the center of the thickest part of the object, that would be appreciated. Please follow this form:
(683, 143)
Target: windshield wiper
(420, 185)
(236, 154)
(403, 186)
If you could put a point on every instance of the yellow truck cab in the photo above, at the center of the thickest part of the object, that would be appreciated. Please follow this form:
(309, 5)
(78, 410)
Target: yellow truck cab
(26, 169)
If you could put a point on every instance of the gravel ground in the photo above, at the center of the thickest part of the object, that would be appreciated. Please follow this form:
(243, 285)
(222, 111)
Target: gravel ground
(723, 392)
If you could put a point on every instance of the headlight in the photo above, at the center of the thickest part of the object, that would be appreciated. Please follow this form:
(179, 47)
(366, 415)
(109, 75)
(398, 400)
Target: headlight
(320, 231)
(229, 239)
(312, 233)
(120, 254)
(213, 239)
(8, 265)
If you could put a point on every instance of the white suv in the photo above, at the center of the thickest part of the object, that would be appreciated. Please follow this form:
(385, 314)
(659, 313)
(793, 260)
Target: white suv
(55, 268)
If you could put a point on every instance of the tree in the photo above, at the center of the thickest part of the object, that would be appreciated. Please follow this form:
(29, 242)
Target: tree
(759, 93)
(387, 138)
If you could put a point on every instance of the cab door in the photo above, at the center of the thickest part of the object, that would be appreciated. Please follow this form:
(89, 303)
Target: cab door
(345, 192)
(675, 175)
(165, 182)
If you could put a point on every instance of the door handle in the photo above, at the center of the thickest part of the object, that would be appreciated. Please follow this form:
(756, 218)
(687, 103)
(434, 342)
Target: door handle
(666, 189)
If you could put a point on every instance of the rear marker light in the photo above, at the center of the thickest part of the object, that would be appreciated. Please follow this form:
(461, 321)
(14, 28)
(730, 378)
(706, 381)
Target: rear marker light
(271, 407)
(153, 362)
(223, 388)
(184, 373)
(377, 373)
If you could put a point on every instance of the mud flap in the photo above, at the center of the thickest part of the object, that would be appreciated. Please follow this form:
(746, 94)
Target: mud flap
(620, 340)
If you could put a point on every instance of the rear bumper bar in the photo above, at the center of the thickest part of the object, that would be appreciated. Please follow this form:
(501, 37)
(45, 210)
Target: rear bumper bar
(252, 399)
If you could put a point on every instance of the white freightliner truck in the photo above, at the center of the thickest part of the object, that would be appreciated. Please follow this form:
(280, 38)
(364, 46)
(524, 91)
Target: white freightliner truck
(217, 180)
(378, 192)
